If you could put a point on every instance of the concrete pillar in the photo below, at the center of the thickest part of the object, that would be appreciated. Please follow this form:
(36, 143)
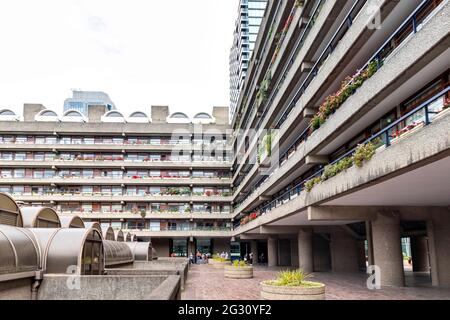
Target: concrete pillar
(361, 252)
(438, 231)
(272, 251)
(343, 247)
(254, 250)
(294, 253)
(419, 253)
(387, 251)
(305, 250)
(370, 258)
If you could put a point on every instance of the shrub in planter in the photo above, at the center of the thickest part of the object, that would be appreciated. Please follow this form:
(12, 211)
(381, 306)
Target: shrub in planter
(363, 153)
(292, 285)
(238, 270)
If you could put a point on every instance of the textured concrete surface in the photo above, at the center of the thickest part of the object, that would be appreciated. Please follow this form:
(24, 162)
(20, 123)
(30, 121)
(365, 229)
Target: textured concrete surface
(123, 287)
(206, 283)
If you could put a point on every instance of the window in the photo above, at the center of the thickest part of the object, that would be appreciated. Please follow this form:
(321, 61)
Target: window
(155, 225)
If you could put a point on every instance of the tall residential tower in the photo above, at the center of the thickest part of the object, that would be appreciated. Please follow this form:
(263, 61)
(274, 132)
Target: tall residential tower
(245, 34)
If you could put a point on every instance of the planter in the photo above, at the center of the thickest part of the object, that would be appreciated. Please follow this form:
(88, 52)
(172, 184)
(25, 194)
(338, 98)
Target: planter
(272, 292)
(233, 272)
(218, 264)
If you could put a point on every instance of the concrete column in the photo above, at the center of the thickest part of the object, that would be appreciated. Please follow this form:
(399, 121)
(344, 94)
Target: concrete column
(343, 251)
(370, 258)
(294, 253)
(305, 250)
(272, 251)
(438, 229)
(254, 250)
(419, 253)
(361, 252)
(387, 249)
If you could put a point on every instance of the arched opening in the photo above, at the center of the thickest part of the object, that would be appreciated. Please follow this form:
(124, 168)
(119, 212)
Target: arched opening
(40, 217)
(71, 222)
(9, 211)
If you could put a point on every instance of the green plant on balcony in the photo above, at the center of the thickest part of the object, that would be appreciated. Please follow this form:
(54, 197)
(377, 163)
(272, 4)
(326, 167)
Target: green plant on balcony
(187, 210)
(363, 153)
(348, 88)
(143, 213)
(309, 185)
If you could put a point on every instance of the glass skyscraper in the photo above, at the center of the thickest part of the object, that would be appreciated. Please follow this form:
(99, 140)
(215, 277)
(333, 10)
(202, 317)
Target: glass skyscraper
(246, 31)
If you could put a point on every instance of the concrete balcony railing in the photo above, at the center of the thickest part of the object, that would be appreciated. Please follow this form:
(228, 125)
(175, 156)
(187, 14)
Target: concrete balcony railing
(412, 149)
(149, 215)
(115, 164)
(56, 197)
(112, 147)
(225, 233)
(116, 181)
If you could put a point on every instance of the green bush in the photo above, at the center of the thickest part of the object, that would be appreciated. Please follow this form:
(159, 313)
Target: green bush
(295, 278)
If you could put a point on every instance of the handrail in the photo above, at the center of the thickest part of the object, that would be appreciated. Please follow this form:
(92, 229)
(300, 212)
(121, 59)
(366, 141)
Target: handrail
(411, 17)
(385, 132)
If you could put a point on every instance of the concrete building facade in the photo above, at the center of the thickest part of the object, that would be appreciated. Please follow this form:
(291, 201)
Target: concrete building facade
(161, 176)
(351, 100)
(358, 95)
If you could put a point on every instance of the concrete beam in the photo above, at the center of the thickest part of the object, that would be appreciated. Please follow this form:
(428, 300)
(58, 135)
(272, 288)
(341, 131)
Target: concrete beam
(308, 113)
(253, 236)
(278, 230)
(316, 160)
(303, 21)
(331, 213)
(264, 198)
(306, 66)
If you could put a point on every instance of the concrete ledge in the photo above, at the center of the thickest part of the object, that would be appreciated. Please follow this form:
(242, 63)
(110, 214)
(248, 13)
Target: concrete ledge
(114, 287)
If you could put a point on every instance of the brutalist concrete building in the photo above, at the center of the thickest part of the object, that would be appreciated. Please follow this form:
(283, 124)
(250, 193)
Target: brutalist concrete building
(337, 159)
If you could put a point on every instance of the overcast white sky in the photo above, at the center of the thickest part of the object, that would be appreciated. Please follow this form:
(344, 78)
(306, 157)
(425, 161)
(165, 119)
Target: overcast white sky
(140, 52)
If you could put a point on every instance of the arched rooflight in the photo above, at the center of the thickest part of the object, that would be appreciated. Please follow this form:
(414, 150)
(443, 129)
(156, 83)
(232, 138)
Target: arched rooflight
(203, 118)
(139, 117)
(178, 117)
(7, 112)
(8, 115)
(202, 115)
(46, 115)
(73, 116)
(138, 114)
(113, 116)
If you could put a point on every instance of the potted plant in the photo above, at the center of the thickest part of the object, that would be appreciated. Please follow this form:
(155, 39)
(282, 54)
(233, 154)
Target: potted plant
(239, 270)
(292, 285)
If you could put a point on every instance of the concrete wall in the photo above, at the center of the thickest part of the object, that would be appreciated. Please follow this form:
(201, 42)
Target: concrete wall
(95, 113)
(160, 114)
(222, 245)
(344, 251)
(31, 110)
(19, 289)
(162, 246)
(123, 287)
(222, 115)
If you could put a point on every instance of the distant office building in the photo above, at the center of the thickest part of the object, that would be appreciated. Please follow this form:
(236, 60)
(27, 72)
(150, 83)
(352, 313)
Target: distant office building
(82, 99)
(245, 34)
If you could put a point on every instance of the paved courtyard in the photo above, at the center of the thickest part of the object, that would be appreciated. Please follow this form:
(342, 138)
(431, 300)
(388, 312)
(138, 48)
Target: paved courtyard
(207, 283)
